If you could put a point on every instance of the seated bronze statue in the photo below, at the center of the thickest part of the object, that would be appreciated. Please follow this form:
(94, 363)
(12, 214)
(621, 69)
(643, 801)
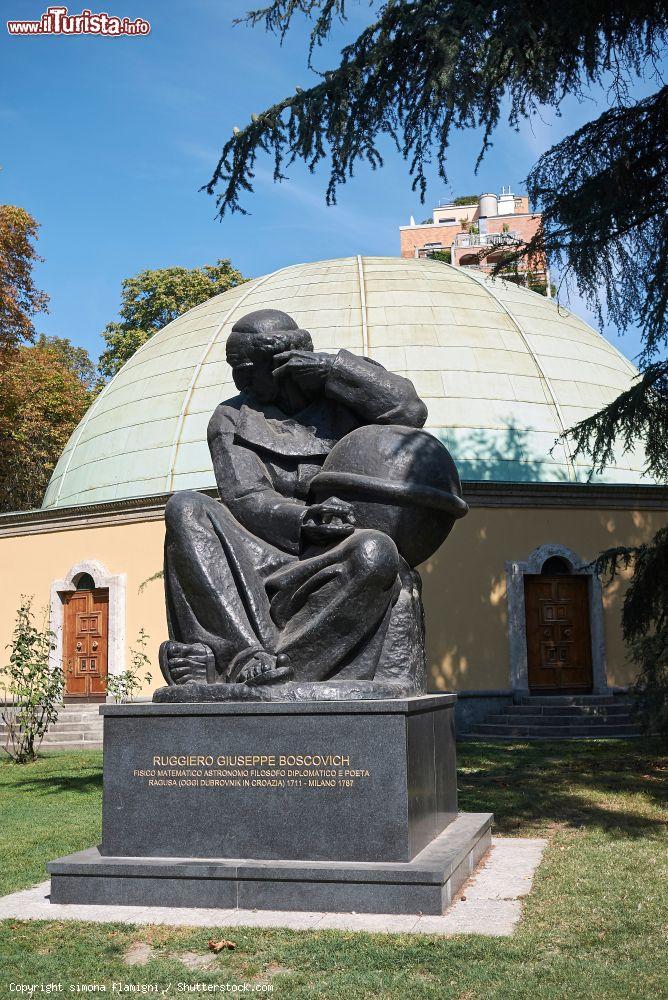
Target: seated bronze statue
(300, 582)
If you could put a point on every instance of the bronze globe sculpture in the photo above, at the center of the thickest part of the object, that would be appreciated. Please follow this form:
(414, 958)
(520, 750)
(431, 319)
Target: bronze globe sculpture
(400, 480)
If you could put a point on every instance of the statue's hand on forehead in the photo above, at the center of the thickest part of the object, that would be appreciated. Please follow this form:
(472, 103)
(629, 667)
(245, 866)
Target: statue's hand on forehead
(309, 369)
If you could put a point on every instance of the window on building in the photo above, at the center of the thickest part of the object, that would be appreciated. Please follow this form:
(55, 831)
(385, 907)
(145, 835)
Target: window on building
(85, 582)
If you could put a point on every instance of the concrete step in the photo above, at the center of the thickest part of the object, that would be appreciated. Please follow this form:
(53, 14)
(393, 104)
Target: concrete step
(76, 727)
(560, 720)
(70, 727)
(602, 735)
(55, 739)
(568, 699)
(67, 720)
(79, 714)
(76, 715)
(575, 711)
(71, 745)
(555, 732)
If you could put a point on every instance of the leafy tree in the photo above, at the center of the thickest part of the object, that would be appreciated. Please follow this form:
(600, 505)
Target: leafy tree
(41, 402)
(424, 68)
(44, 388)
(20, 300)
(32, 690)
(152, 299)
(75, 359)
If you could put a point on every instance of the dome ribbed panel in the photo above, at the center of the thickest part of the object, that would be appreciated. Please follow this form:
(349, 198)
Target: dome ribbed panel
(501, 369)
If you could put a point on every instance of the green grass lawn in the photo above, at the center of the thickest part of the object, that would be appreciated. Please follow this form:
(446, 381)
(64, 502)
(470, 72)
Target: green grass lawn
(593, 927)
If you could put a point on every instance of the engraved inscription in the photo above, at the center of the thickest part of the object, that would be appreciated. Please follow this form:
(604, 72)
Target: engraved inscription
(294, 771)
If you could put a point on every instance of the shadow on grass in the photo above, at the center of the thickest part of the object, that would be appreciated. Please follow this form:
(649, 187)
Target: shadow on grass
(54, 784)
(52, 774)
(533, 786)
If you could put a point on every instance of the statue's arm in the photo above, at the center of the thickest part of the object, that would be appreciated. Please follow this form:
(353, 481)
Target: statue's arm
(376, 395)
(246, 489)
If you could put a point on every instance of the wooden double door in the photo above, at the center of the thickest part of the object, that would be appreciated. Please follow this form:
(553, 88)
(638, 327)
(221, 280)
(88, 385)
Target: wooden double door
(85, 644)
(558, 635)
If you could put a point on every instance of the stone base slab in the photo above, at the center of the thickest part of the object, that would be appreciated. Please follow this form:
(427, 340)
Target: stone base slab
(425, 885)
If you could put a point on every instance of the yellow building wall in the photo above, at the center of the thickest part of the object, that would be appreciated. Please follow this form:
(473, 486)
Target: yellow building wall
(30, 563)
(464, 584)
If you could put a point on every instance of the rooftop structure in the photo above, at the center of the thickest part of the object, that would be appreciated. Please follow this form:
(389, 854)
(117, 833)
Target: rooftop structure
(479, 232)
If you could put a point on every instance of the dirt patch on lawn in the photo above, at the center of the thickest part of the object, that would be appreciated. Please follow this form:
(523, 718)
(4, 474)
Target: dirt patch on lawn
(141, 953)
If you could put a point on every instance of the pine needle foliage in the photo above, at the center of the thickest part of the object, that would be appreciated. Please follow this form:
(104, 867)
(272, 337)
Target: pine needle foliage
(645, 622)
(603, 193)
(424, 69)
(640, 412)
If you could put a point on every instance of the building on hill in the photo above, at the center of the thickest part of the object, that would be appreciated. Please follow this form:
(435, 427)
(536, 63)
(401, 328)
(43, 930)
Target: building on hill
(479, 232)
(511, 601)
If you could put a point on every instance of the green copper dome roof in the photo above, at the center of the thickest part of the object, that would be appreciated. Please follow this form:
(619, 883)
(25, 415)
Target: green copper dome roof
(502, 369)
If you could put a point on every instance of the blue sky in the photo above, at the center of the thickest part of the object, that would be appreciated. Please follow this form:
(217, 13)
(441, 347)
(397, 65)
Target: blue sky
(106, 142)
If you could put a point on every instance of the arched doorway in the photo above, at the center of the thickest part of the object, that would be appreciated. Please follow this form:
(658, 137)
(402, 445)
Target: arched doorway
(558, 634)
(88, 623)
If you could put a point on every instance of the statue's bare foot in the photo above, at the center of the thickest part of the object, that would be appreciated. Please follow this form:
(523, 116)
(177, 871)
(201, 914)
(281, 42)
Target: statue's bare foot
(259, 667)
(182, 662)
(266, 673)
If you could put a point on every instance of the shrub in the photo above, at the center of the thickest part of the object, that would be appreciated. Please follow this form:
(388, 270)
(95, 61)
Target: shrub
(445, 256)
(31, 687)
(126, 684)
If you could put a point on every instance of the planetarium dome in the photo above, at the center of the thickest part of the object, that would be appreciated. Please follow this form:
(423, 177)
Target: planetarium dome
(502, 370)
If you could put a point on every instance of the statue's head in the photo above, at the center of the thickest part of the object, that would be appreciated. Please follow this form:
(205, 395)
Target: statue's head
(252, 347)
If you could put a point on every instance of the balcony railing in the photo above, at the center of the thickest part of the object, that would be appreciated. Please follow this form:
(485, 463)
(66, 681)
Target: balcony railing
(462, 240)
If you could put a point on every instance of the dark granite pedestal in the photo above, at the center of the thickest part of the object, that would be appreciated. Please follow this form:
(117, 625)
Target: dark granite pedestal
(305, 806)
